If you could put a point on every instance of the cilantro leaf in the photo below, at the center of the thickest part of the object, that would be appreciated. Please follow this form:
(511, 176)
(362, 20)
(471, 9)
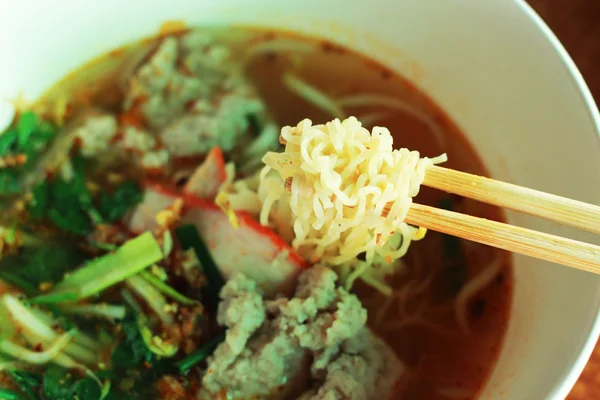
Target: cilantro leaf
(7, 141)
(71, 220)
(28, 122)
(28, 382)
(39, 202)
(27, 136)
(58, 383)
(46, 263)
(126, 195)
(66, 204)
(8, 394)
(87, 389)
(133, 350)
(9, 183)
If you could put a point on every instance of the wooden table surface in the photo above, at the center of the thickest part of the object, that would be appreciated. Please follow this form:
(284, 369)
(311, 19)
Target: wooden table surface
(577, 25)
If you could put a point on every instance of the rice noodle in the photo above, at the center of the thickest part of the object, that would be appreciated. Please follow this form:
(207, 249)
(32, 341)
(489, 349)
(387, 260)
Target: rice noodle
(347, 191)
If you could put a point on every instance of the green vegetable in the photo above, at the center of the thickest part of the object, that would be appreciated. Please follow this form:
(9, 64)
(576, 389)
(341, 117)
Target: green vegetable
(166, 289)
(132, 350)
(61, 384)
(201, 354)
(33, 265)
(28, 136)
(113, 206)
(40, 200)
(189, 237)
(71, 206)
(28, 123)
(58, 383)
(7, 394)
(7, 141)
(9, 183)
(28, 382)
(102, 272)
(87, 389)
(68, 204)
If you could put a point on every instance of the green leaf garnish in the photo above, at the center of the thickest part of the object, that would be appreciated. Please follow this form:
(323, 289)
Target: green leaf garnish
(113, 206)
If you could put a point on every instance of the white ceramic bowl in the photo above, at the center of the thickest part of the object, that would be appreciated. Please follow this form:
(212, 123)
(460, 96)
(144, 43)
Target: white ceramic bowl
(493, 65)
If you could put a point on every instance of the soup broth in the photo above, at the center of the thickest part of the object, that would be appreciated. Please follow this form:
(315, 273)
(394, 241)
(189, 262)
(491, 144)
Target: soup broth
(450, 303)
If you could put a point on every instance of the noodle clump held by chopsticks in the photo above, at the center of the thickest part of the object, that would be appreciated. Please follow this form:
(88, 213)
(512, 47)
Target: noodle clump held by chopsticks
(344, 191)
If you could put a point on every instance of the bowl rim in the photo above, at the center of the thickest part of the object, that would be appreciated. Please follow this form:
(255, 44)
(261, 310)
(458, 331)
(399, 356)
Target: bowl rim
(562, 389)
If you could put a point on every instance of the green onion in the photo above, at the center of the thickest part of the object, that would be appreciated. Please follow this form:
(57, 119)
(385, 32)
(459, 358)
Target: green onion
(166, 289)
(7, 394)
(131, 258)
(200, 355)
(190, 238)
(109, 311)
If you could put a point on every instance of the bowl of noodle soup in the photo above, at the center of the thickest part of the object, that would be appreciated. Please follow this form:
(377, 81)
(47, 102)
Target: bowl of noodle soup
(499, 77)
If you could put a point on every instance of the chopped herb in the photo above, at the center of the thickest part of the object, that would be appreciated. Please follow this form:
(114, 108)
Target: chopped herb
(132, 350)
(71, 220)
(189, 237)
(28, 382)
(87, 389)
(9, 183)
(102, 272)
(7, 141)
(28, 123)
(7, 394)
(126, 195)
(39, 264)
(71, 206)
(27, 136)
(58, 383)
(68, 204)
(201, 354)
(39, 203)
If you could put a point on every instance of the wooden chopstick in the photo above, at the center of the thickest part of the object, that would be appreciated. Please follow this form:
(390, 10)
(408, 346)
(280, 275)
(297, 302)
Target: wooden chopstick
(555, 208)
(544, 246)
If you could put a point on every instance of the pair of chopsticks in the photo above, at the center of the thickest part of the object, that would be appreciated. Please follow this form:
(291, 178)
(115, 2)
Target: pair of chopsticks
(571, 253)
